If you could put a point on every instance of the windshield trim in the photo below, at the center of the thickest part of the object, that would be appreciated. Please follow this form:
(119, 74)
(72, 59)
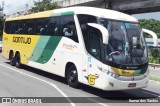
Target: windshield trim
(125, 21)
(125, 66)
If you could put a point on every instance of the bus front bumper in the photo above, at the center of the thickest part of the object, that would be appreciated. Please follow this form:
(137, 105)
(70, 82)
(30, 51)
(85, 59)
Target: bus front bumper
(111, 83)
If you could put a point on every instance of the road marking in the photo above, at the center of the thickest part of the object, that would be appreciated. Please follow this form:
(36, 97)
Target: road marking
(151, 94)
(97, 102)
(53, 85)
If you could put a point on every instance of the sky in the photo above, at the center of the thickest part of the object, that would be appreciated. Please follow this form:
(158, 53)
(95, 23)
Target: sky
(154, 15)
(11, 6)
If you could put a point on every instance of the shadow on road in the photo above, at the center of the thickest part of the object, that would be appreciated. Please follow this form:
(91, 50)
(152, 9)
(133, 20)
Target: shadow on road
(121, 95)
(43, 73)
(102, 95)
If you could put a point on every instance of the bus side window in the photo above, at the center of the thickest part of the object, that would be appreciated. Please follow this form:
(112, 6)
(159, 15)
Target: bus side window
(68, 28)
(41, 26)
(9, 27)
(30, 26)
(53, 26)
(83, 20)
(18, 27)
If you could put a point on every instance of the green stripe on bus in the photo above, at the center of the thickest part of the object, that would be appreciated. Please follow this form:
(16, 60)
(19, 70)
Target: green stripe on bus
(144, 69)
(49, 49)
(136, 72)
(63, 14)
(67, 13)
(40, 46)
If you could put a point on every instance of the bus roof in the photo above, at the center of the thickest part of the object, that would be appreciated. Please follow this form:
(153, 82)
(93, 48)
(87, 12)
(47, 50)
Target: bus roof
(99, 12)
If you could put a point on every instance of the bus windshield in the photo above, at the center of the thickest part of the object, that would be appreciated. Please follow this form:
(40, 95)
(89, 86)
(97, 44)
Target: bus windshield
(126, 43)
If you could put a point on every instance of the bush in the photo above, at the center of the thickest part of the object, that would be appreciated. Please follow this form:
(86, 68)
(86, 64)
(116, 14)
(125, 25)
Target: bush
(154, 56)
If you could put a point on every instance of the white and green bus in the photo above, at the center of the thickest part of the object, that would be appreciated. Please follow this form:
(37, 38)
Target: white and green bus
(97, 47)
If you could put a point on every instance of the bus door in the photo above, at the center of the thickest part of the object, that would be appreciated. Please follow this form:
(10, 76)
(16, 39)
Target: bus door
(94, 57)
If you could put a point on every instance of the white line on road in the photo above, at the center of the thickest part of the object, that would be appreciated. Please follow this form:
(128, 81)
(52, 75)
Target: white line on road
(53, 85)
(97, 102)
(150, 93)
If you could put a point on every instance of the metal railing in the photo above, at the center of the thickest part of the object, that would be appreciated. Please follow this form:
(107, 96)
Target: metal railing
(154, 65)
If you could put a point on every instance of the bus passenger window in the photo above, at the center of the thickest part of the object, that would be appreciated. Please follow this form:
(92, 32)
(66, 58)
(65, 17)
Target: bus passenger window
(68, 31)
(41, 26)
(53, 26)
(30, 26)
(18, 27)
(30, 30)
(9, 26)
(68, 28)
(19, 31)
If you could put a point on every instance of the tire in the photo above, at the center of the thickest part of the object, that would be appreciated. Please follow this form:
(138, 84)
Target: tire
(12, 59)
(72, 77)
(18, 61)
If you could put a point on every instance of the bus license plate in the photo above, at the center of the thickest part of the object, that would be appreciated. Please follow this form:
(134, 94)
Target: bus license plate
(132, 85)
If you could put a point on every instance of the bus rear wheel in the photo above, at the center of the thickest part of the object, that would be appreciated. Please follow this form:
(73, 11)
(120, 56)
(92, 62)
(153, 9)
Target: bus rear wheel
(12, 59)
(72, 77)
(18, 60)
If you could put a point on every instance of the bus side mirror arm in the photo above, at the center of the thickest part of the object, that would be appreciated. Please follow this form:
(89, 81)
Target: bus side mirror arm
(155, 38)
(103, 30)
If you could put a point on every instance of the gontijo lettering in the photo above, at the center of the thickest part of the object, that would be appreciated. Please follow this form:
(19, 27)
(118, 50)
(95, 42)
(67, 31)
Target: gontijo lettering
(22, 40)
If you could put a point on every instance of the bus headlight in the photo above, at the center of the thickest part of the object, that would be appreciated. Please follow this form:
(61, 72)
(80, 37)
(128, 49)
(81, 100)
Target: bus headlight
(112, 74)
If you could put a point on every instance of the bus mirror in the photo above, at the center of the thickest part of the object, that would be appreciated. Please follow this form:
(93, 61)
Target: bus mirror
(154, 36)
(103, 30)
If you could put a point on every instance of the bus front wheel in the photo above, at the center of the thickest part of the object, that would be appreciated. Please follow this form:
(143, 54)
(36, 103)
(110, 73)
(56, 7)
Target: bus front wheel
(72, 77)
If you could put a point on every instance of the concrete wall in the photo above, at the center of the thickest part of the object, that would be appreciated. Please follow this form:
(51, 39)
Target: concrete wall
(127, 6)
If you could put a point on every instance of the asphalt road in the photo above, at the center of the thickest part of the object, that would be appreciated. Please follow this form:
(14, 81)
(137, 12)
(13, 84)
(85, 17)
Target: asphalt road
(30, 82)
(155, 72)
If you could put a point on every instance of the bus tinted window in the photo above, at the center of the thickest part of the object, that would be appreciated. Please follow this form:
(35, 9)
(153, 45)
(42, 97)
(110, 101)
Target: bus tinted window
(53, 26)
(19, 27)
(41, 26)
(30, 27)
(9, 27)
(68, 28)
(83, 20)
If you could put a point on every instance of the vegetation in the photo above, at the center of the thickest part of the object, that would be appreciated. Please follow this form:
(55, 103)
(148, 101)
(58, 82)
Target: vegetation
(44, 5)
(151, 24)
(154, 78)
(154, 56)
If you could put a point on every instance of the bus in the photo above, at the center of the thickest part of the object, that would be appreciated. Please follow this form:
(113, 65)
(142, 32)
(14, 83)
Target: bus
(101, 48)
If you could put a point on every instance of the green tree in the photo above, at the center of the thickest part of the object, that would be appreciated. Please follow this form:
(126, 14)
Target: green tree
(151, 24)
(44, 5)
(154, 56)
